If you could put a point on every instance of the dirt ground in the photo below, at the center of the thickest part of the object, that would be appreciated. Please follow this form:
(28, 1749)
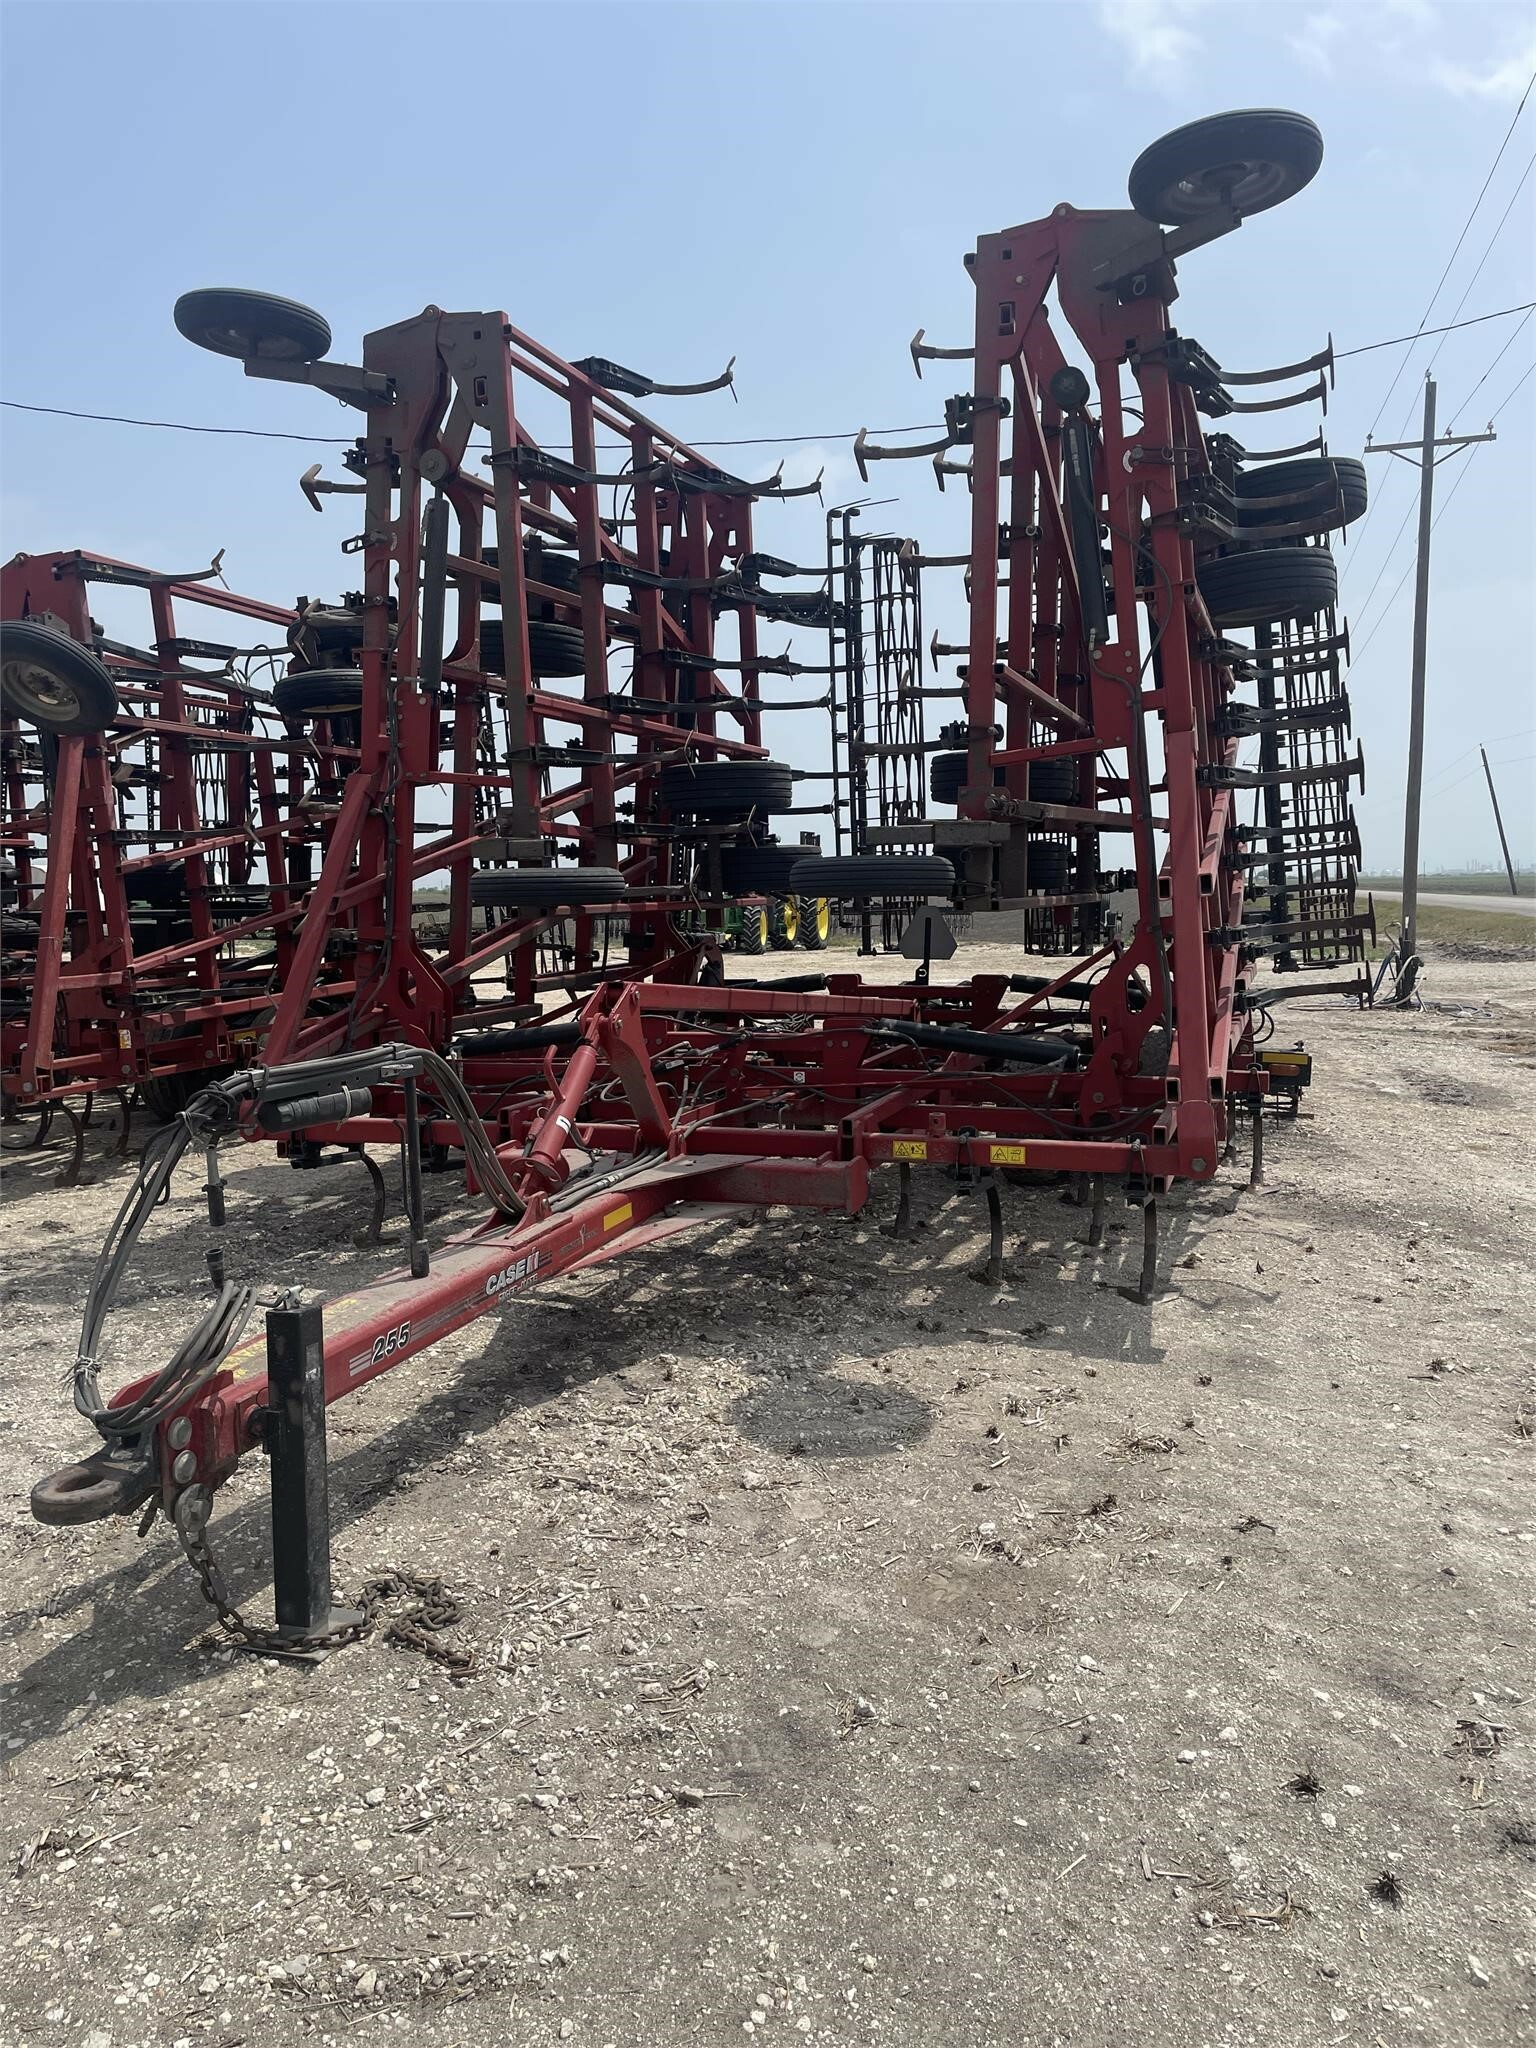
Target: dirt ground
(865, 1655)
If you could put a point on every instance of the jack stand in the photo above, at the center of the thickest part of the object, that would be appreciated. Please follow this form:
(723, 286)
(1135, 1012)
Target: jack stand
(1096, 1220)
(1143, 1290)
(415, 1203)
(295, 1442)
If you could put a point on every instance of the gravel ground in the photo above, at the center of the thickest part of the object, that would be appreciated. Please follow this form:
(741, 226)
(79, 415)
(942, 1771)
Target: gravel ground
(865, 1655)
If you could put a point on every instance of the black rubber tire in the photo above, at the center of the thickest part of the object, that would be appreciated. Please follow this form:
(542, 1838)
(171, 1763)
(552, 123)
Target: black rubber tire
(1249, 159)
(1049, 870)
(815, 923)
(874, 874)
(783, 923)
(727, 789)
(752, 933)
(318, 693)
(759, 870)
(53, 682)
(546, 888)
(946, 777)
(252, 326)
(1053, 782)
(165, 1096)
(20, 931)
(556, 572)
(1266, 586)
(1346, 473)
(947, 774)
(159, 888)
(553, 649)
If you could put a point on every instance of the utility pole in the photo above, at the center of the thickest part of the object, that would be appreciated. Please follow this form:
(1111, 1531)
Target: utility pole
(1425, 453)
(1509, 866)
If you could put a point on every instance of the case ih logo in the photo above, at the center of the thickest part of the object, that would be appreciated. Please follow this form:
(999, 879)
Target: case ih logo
(513, 1275)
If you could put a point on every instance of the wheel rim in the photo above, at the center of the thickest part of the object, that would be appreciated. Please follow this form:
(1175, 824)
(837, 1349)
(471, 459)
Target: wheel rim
(239, 341)
(1246, 185)
(39, 693)
(791, 920)
(821, 923)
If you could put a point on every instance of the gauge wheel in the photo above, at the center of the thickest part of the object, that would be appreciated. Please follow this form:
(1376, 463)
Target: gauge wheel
(1243, 162)
(874, 875)
(254, 326)
(1267, 586)
(727, 789)
(318, 693)
(1053, 782)
(1342, 476)
(783, 923)
(815, 923)
(1049, 870)
(53, 682)
(553, 649)
(758, 870)
(546, 888)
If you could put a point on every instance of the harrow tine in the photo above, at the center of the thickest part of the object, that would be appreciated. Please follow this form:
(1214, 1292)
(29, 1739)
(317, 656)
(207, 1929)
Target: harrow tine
(635, 384)
(927, 351)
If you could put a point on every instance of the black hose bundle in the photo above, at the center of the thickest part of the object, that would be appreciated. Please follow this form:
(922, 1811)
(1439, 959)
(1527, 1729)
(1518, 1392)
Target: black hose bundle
(214, 1114)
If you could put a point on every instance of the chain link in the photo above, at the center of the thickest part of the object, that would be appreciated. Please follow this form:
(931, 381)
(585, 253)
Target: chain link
(416, 1630)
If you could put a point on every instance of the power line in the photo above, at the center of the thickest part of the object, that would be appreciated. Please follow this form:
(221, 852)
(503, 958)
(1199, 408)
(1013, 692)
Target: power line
(1423, 333)
(1397, 587)
(1465, 231)
(1455, 762)
(1487, 252)
(347, 441)
(115, 419)
(1509, 338)
(1509, 394)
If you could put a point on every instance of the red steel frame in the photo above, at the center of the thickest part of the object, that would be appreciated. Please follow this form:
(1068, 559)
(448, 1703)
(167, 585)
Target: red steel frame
(96, 1010)
(448, 374)
(676, 1097)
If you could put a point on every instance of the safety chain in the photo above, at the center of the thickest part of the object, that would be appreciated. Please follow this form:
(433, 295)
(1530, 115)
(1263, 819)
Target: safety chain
(416, 1630)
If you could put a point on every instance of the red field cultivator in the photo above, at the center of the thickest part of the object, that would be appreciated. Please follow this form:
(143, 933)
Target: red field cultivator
(142, 828)
(626, 1091)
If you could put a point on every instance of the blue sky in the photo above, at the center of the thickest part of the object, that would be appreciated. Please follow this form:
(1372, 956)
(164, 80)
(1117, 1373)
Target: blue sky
(794, 185)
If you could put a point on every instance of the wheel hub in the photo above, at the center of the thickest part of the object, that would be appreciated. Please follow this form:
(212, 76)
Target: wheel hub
(41, 688)
(1245, 185)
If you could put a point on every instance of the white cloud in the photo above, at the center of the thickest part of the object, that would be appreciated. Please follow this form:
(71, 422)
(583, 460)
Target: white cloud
(1153, 33)
(1313, 43)
(1499, 78)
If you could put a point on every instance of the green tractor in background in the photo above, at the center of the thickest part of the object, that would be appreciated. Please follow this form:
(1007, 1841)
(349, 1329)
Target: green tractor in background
(779, 924)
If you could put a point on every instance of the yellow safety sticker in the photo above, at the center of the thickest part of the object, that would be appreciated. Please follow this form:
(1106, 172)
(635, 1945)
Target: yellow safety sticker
(622, 1214)
(909, 1148)
(1006, 1155)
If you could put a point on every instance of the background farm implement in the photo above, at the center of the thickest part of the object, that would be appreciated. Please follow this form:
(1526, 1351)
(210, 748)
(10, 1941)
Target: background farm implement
(561, 653)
